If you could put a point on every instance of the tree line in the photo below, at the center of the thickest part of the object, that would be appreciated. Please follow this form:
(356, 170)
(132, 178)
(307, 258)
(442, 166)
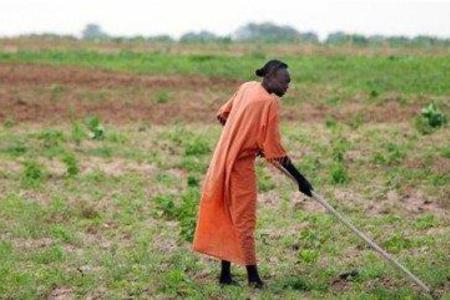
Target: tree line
(263, 32)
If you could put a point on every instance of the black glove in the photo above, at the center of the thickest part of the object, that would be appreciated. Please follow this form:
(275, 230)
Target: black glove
(303, 185)
(222, 120)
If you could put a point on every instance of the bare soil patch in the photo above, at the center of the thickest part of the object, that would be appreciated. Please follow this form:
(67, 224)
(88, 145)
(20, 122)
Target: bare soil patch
(43, 93)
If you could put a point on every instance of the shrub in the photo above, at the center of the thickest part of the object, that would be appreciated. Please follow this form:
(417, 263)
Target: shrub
(430, 118)
(434, 116)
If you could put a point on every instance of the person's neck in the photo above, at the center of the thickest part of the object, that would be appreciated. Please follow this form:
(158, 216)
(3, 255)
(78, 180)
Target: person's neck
(266, 87)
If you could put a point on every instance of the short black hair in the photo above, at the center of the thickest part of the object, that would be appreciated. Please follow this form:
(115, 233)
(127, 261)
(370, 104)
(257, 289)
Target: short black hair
(270, 67)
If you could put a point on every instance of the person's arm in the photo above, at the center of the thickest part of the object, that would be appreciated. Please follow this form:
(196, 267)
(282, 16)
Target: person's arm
(304, 186)
(224, 111)
(272, 150)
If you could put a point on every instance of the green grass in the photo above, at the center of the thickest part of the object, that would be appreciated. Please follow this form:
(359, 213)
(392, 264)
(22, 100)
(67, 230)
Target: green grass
(374, 75)
(107, 210)
(120, 225)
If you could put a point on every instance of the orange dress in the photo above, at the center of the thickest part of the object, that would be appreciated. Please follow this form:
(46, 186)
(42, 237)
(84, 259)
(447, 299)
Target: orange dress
(227, 210)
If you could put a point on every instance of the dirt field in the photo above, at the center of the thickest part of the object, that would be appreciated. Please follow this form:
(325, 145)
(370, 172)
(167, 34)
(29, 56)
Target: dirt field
(41, 93)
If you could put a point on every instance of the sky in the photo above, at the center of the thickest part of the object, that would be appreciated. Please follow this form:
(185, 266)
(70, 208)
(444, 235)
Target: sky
(152, 17)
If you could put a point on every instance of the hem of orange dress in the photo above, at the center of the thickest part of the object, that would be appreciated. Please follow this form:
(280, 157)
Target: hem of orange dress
(220, 257)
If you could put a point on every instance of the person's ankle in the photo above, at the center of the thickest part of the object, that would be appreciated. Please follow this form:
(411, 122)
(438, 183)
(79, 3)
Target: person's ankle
(225, 279)
(253, 276)
(256, 283)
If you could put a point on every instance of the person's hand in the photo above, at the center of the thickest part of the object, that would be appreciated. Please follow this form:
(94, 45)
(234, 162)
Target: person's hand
(304, 186)
(221, 119)
(259, 153)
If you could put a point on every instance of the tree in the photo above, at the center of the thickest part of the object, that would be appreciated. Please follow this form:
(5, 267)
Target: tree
(267, 32)
(160, 38)
(309, 37)
(337, 38)
(398, 40)
(201, 37)
(358, 39)
(93, 32)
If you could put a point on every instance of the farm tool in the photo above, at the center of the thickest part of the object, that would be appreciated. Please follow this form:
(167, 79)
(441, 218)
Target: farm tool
(363, 236)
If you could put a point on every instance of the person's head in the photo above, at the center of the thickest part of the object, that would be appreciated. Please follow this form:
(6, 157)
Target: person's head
(276, 77)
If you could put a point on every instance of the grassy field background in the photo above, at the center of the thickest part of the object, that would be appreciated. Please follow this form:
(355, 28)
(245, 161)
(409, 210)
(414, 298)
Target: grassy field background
(103, 150)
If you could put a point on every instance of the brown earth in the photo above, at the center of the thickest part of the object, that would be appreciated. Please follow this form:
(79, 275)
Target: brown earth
(43, 94)
(29, 74)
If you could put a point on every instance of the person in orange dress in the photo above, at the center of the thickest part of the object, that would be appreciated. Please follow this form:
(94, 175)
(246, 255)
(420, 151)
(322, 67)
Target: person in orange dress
(227, 210)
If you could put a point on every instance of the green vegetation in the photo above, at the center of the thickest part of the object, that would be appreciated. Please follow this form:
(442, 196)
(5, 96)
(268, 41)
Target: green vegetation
(95, 208)
(96, 128)
(66, 231)
(406, 74)
(430, 119)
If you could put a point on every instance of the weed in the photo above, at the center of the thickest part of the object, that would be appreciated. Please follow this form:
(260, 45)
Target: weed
(430, 119)
(184, 213)
(308, 255)
(9, 122)
(51, 137)
(425, 221)
(197, 146)
(16, 149)
(71, 164)
(105, 152)
(446, 152)
(33, 174)
(192, 181)
(338, 174)
(397, 242)
(78, 133)
(356, 121)
(96, 129)
(187, 212)
(434, 116)
(166, 205)
(162, 97)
